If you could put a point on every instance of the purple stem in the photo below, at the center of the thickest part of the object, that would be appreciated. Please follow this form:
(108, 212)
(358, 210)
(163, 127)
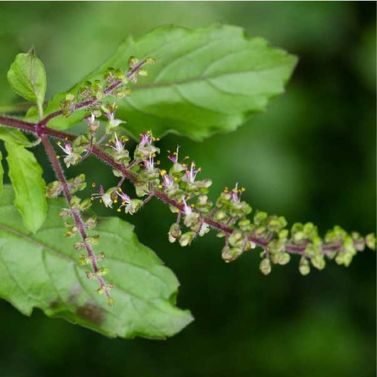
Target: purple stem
(132, 177)
(91, 102)
(17, 123)
(75, 213)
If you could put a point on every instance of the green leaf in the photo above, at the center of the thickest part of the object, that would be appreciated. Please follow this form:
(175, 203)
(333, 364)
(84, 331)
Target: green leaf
(30, 189)
(1, 172)
(42, 271)
(204, 81)
(27, 76)
(14, 136)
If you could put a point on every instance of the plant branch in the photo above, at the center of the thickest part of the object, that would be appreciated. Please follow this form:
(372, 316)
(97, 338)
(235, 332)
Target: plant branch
(92, 102)
(132, 177)
(75, 213)
(18, 124)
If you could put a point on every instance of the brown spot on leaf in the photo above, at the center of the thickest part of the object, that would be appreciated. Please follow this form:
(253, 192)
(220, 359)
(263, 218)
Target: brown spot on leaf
(91, 313)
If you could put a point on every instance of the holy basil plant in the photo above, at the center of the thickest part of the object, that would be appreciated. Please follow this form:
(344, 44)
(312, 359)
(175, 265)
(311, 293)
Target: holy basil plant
(57, 255)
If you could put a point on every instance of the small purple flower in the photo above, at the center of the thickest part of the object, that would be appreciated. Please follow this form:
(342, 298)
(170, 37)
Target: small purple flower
(100, 192)
(145, 139)
(191, 173)
(167, 181)
(173, 157)
(118, 146)
(109, 115)
(104, 197)
(149, 164)
(112, 121)
(92, 123)
(90, 119)
(124, 197)
(235, 194)
(71, 157)
(187, 210)
(67, 148)
(131, 206)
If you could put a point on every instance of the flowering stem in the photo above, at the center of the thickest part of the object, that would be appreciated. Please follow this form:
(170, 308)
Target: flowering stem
(91, 102)
(75, 213)
(132, 177)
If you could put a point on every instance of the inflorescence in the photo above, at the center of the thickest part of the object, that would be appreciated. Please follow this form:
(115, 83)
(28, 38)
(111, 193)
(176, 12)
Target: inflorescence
(178, 186)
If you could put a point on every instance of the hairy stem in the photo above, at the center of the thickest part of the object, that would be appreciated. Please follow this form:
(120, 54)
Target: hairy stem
(17, 123)
(132, 177)
(75, 213)
(91, 102)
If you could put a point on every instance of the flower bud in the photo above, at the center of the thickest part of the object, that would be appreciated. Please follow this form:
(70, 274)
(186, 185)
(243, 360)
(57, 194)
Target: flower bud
(123, 92)
(283, 235)
(150, 60)
(84, 260)
(107, 200)
(370, 240)
(343, 258)
(204, 228)
(245, 225)
(236, 238)
(93, 240)
(65, 212)
(91, 223)
(141, 188)
(297, 232)
(282, 258)
(132, 62)
(265, 266)
(191, 220)
(85, 205)
(71, 231)
(174, 232)
(102, 271)
(67, 105)
(276, 223)
(229, 254)
(304, 266)
(318, 261)
(77, 184)
(249, 245)
(186, 238)
(79, 245)
(260, 218)
(133, 206)
(54, 189)
(220, 215)
(90, 275)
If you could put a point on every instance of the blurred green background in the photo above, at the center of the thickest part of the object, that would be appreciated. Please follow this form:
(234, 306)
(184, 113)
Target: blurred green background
(311, 156)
